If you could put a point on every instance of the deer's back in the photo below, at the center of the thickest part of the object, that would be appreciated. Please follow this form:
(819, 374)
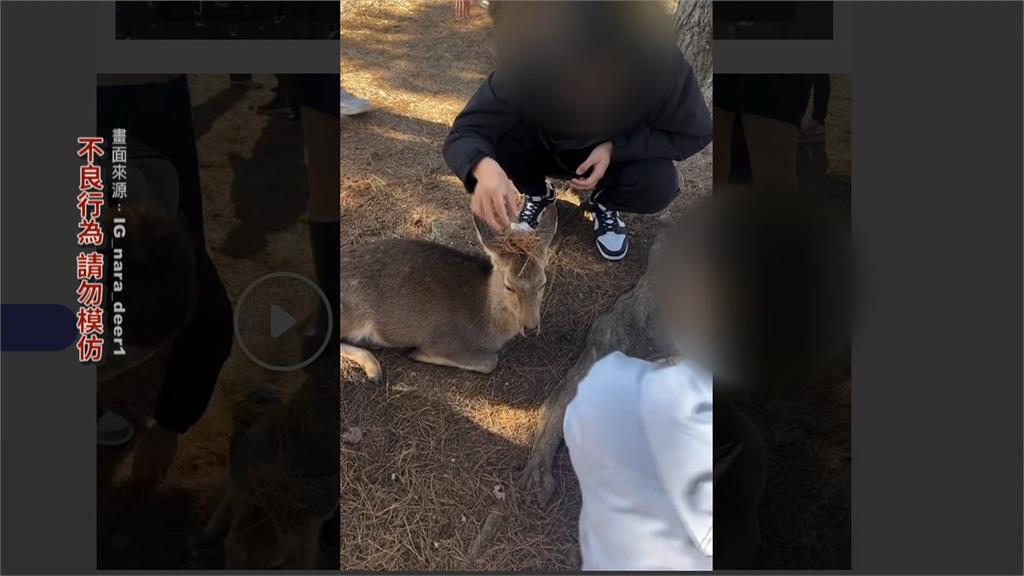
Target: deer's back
(404, 292)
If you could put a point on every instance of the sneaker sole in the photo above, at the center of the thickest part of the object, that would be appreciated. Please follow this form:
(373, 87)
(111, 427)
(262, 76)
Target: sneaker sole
(611, 257)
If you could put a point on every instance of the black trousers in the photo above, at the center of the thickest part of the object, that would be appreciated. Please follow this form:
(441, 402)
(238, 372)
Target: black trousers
(160, 117)
(781, 97)
(643, 186)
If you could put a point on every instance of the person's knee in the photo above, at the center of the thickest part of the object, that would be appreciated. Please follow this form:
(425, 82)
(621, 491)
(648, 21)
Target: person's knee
(646, 186)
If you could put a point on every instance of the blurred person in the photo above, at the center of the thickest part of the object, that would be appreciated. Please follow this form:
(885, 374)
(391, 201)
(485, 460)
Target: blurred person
(768, 109)
(649, 443)
(156, 112)
(593, 92)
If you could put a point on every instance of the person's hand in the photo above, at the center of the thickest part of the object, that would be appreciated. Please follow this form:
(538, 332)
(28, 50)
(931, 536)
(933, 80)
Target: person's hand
(462, 7)
(599, 159)
(494, 199)
(154, 454)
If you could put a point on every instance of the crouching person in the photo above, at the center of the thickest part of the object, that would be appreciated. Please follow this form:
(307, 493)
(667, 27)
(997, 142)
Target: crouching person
(596, 93)
(752, 290)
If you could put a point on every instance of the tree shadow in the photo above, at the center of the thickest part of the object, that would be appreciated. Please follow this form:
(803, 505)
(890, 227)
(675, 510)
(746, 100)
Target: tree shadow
(424, 477)
(205, 114)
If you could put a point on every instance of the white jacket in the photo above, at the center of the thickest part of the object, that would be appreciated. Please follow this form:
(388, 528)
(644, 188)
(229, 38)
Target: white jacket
(640, 439)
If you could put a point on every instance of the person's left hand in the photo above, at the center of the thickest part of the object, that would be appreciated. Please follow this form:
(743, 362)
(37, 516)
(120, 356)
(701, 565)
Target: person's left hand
(599, 159)
(154, 454)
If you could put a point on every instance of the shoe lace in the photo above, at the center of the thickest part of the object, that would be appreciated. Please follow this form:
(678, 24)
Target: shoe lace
(607, 220)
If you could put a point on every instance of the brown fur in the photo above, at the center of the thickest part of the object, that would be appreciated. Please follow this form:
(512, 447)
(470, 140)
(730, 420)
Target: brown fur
(451, 308)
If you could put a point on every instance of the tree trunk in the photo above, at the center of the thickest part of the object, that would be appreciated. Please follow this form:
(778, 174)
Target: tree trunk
(693, 27)
(629, 326)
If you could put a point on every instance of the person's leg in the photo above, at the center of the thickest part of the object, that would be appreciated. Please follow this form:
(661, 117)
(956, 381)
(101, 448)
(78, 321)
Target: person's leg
(642, 187)
(813, 130)
(772, 148)
(198, 353)
(521, 155)
(722, 142)
(320, 130)
(526, 161)
(822, 86)
(160, 117)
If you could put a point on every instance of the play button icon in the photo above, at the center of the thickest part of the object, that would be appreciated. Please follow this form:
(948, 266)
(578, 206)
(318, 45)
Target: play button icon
(274, 317)
(280, 321)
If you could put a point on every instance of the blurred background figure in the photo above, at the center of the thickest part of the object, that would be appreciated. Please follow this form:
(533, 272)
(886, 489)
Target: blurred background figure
(756, 125)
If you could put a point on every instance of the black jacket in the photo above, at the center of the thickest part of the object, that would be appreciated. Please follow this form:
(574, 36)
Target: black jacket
(667, 119)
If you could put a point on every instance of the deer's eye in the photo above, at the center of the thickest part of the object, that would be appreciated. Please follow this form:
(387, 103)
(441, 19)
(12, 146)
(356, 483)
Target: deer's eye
(509, 288)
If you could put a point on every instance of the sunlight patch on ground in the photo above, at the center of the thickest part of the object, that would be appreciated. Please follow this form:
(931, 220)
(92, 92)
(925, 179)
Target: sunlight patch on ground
(514, 424)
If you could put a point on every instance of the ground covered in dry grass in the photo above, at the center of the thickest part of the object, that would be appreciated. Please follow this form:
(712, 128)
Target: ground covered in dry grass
(441, 447)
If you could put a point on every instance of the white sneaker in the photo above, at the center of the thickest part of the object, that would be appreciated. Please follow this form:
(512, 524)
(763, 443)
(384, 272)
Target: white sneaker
(352, 106)
(609, 233)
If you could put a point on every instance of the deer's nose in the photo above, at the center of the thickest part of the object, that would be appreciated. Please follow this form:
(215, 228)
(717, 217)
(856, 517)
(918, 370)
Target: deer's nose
(531, 332)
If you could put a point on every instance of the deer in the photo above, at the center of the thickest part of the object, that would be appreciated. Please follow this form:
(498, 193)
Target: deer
(451, 308)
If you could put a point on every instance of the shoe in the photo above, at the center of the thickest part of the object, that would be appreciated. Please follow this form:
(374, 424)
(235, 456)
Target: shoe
(352, 106)
(609, 233)
(529, 216)
(112, 429)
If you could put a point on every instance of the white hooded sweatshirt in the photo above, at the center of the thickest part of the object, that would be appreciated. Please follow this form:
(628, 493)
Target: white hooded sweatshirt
(640, 438)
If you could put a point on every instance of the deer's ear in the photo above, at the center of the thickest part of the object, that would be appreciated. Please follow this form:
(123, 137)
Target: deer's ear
(548, 225)
(487, 236)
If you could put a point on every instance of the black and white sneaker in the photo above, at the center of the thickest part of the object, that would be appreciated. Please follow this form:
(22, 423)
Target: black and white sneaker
(609, 233)
(529, 215)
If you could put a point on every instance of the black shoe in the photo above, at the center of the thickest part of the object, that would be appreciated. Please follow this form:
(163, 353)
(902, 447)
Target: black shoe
(609, 233)
(534, 205)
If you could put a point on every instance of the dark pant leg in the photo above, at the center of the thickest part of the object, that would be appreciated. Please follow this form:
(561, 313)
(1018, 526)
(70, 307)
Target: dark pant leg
(197, 354)
(160, 116)
(641, 187)
(525, 160)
